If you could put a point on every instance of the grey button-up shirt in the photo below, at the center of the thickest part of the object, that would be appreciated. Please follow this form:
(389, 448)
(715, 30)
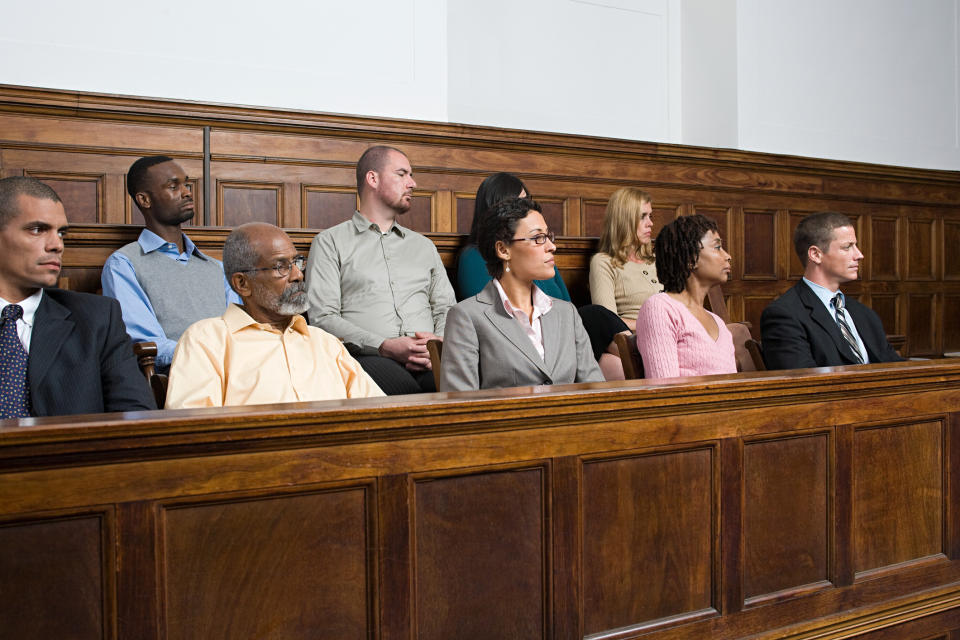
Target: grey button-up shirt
(365, 286)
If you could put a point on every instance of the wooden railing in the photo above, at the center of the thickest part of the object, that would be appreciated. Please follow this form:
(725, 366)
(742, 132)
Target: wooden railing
(820, 503)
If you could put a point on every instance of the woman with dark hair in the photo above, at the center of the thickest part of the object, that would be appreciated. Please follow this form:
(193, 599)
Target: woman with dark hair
(511, 333)
(472, 273)
(676, 335)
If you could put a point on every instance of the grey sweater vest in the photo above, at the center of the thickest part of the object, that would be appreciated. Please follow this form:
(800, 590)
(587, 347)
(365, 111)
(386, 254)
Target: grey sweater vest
(181, 293)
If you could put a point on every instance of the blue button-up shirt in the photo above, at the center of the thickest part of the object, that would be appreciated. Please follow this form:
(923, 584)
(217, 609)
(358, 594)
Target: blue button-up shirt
(119, 280)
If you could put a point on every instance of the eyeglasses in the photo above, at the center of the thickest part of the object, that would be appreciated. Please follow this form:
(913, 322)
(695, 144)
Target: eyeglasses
(282, 267)
(540, 238)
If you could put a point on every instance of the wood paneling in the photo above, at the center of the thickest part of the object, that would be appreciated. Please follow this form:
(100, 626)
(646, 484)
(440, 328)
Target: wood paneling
(465, 205)
(420, 216)
(887, 307)
(701, 509)
(297, 169)
(481, 555)
(951, 330)
(921, 256)
(655, 528)
(325, 207)
(884, 263)
(240, 203)
(82, 196)
(284, 566)
(760, 235)
(898, 494)
(787, 492)
(553, 213)
(922, 324)
(56, 574)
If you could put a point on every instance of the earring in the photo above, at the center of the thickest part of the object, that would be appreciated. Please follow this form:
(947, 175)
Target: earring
(507, 267)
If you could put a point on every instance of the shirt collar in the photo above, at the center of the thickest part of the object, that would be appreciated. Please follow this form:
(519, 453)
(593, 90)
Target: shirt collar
(149, 241)
(29, 306)
(361, 223)
(541, 301)
(236, 318)
(825, 295)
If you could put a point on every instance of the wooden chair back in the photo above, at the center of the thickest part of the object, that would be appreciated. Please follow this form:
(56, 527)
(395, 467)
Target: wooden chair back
(146, 353)
(629, 355)
(748, 355)
(435, 349)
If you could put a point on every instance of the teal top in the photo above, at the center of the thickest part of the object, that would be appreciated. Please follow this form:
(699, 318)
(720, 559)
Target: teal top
(472, 276)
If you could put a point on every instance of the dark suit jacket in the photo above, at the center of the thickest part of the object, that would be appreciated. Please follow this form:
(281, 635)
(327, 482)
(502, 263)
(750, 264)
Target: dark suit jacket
(486, 348)
(81, 359)
(799, 332)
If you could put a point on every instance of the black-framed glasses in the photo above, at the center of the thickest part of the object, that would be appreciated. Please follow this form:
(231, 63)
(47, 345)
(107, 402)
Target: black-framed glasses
(540, 238)
(283, 267)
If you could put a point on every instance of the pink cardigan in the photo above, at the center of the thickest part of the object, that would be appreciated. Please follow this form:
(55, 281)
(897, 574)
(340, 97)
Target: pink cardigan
(673, 343)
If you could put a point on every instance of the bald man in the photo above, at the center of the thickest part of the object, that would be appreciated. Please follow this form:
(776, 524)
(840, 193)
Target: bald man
(263, 351)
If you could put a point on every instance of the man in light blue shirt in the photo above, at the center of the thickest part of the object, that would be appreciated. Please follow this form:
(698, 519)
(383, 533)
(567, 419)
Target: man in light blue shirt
(814, 324)
(162, 281)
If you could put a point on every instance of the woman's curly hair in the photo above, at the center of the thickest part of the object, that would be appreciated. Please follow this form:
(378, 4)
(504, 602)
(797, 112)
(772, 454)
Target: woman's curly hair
(677, 249)
(499, 224)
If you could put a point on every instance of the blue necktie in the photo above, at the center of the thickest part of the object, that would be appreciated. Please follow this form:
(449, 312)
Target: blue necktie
(14, 390)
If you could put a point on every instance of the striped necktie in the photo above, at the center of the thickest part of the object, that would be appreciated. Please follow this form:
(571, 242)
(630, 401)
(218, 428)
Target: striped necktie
(845, 328)
(14, 390)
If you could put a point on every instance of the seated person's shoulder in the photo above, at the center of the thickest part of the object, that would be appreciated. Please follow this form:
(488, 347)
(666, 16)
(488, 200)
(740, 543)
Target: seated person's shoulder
(89, 304)
(598, 260)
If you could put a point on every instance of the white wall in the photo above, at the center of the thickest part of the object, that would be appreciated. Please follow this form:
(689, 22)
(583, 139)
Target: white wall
(869, 80)
(594, 67)
(363, 56)
(709, 73)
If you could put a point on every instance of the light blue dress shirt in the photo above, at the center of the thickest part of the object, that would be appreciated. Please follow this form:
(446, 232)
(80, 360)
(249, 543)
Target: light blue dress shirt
(826, 297)
(119, 281)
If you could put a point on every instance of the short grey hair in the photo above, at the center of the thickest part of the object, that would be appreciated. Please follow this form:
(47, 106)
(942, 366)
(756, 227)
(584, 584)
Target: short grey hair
(238, 254)
(12, 188)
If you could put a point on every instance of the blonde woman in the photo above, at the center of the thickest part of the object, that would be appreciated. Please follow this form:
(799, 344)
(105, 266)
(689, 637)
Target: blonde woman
(623, 274)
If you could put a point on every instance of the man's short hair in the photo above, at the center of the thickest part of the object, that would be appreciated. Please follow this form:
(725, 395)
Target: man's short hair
(238, 254)
(372, 160)
(137, 175)
(817, 230)
(12, 188)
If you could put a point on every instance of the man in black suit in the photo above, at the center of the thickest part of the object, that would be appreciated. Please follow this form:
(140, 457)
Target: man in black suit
(61, 352)
(814, 324)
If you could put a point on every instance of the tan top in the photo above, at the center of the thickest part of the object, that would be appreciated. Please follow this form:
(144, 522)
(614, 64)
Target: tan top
(622, 290)
(234, 360)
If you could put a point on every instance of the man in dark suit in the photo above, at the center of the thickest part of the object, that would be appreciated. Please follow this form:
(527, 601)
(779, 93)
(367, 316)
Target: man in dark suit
(814, 324)
(61, 352)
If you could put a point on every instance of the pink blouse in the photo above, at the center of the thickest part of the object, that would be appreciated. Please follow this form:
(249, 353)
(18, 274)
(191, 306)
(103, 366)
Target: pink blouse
(674, 344)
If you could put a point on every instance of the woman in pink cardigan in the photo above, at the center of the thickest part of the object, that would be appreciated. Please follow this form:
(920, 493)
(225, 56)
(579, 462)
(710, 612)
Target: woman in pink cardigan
(676, 335)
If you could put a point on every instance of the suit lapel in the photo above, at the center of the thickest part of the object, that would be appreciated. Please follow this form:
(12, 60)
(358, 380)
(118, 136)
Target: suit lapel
(509, 327)
(550, 325)
(51, 327)
(820, 315)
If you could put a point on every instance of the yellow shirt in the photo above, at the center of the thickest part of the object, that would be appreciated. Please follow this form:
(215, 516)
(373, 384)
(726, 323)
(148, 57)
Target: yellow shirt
(234, 360)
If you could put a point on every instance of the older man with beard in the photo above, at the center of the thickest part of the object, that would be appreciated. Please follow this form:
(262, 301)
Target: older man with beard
(264, 351)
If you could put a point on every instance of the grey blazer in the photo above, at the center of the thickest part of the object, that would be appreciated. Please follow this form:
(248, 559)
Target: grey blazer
(485, 348)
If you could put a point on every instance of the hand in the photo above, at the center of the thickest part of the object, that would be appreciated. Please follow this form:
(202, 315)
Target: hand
(410, 352)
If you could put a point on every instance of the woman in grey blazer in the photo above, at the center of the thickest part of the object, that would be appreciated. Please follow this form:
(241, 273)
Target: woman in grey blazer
(511, 333)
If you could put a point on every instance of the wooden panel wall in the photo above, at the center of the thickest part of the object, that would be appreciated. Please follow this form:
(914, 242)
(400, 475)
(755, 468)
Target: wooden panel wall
(297, 169)
(773, 505)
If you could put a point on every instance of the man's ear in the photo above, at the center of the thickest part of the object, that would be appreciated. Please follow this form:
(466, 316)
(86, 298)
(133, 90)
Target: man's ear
(372, 179)
(142, 198)
(241, 284)
(814, 254)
